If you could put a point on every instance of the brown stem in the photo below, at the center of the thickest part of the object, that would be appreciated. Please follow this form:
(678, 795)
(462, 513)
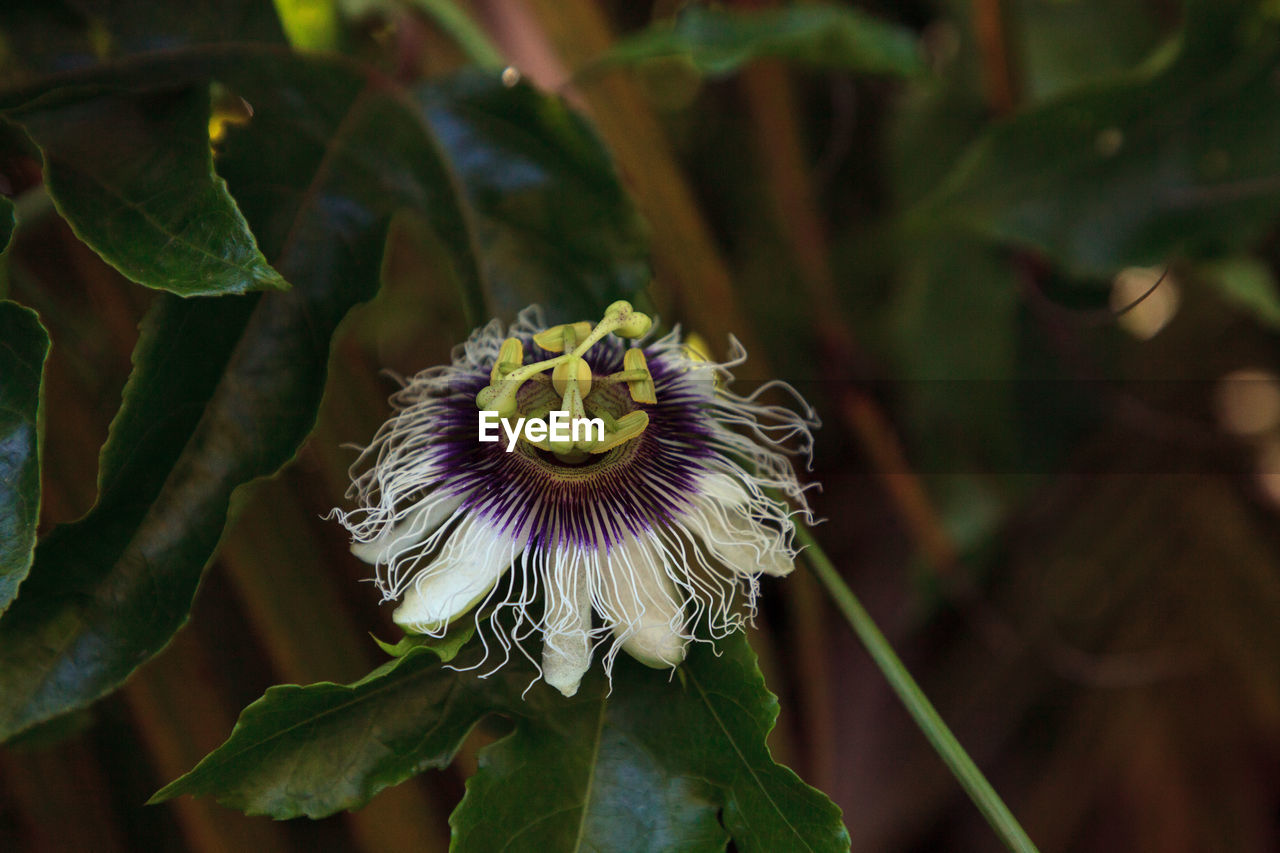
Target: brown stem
(993, 48)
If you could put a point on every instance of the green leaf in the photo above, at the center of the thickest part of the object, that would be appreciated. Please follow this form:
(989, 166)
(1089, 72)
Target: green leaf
(8, 220)
(322, 748)
(133, 176)
(553, 223)
(647, 765)
(1248, 283)
(716, 730)
(311, 24)
(1064, 44)
(645, 768)
(224, 390)
(136, 26)
(580, 774)
(57, 35)
(446, 648)
(24, 344)
(719, 42)
(1127, 173)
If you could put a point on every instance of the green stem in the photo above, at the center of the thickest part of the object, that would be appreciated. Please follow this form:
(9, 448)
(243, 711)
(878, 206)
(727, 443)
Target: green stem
(458, 26)
(926, 716)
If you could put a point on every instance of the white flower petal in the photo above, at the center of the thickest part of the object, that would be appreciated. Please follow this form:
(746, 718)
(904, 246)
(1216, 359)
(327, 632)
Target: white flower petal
(703, 497)
(566, 647)
(725, 490)
(742, 544)
(644, 609)
(420, 522)
(467, 568)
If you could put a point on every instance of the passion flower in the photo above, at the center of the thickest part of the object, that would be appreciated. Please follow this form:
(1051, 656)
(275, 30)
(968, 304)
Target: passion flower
(628, 540)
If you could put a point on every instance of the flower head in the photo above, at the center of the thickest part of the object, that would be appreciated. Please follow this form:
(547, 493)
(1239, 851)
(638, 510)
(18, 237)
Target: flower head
(626, 540)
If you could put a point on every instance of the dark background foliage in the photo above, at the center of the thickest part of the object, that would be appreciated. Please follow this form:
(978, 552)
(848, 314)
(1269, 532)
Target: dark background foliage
(924, 219)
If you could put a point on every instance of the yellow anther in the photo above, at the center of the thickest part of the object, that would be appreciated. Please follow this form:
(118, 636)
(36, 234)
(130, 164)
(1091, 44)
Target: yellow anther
(561, 374)
(553, 339)
(642, 390)
(510, 357)
(696, 347)
(698, 351)
(627, 427)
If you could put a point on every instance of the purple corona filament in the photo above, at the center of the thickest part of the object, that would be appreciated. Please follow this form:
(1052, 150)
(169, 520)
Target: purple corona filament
(630, 547)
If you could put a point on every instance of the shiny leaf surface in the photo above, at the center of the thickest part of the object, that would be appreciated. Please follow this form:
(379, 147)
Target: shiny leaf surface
(132, 173)
(553, 223)
(224, 390)
(322, 748)
(647, 766)
(7, 222)
(587, 773)
(23, 348)
(1127, 173)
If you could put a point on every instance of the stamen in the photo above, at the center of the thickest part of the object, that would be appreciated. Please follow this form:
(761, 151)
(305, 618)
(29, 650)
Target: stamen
(631, 546)
(553, 339)
(572, 379)
(510, 356)
(500, 398)
(627, 427)
(631, 323)
(642, 389)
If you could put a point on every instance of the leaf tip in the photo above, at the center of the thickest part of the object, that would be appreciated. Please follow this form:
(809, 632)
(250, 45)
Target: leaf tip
(168, 792)
(271, 280)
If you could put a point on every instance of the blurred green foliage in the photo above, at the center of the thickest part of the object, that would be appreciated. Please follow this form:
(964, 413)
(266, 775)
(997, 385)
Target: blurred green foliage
(26, 344)
(717, 42)
(889, 232)
(643, 765)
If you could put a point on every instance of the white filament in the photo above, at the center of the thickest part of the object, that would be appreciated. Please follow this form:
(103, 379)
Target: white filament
(648, 590)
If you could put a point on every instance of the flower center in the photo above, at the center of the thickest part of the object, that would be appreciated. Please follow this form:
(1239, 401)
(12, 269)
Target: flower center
(517, 389)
